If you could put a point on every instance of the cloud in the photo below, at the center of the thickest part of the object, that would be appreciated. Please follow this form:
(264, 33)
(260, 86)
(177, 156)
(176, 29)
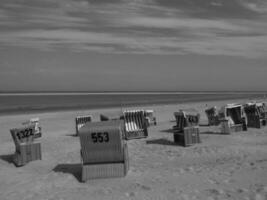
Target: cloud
(124, 26)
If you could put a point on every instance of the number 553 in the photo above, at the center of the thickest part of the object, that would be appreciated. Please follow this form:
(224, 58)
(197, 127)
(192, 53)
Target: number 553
(100, 137)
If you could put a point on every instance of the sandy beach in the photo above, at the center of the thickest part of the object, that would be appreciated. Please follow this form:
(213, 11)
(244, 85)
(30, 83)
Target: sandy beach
(221, 167)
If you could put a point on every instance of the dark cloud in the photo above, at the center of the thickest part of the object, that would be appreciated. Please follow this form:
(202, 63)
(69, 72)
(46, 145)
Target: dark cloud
(211, 8)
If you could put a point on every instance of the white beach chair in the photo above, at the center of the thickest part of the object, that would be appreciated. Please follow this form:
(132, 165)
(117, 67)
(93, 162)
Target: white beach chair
(80, 122)
(135, 124)
(232, 118)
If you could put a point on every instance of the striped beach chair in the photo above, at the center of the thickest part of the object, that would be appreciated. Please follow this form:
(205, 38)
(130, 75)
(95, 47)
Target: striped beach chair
(80, 121)
(104, 151)
(256, 114)
(232, 118)
(26, 148)
(135, 124)
(186, 130)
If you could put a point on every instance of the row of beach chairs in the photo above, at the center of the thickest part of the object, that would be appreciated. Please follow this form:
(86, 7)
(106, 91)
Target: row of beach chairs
(237, 117)
(104, 150)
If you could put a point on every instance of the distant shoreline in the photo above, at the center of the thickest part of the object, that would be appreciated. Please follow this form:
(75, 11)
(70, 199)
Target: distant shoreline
(128, 93)
(27, 104)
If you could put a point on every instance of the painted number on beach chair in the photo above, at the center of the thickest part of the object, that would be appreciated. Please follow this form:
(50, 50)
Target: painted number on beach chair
(100, 137)
(25, 133)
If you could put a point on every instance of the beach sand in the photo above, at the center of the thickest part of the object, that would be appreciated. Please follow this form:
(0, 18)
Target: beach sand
(221, 167)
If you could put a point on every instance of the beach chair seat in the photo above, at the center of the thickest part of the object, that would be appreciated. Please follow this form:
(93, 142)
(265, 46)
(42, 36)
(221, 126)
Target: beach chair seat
(80, 121)
(188, 137)
(26, 148)
(104, 118)
(110, 116)
(135, 124)
(227, 128)
(104, 152)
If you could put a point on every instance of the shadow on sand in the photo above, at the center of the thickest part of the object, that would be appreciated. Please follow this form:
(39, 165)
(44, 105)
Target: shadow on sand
(162, 141)
(167, 131)
(74, 169)
(211, 133)
(8, 158)
(72, 135)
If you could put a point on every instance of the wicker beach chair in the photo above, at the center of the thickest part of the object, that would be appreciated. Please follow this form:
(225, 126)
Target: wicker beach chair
(150, 118)
(26, 148)
(232, 118)
(256, 114)
(80, 122)
(135, 124)
(104, 151)
(186, 130)
(212, 115)
(37, 128)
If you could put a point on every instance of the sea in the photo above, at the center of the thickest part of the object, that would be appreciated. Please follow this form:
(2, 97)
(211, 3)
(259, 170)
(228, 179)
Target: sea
(14, 103)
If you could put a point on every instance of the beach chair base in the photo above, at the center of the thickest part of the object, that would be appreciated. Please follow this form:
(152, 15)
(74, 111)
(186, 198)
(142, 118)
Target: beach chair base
(136, 134)
(214, 121)
(26, 153)
(188, 137)
(106, 170)
(103, 171)
(228, 129)
(255, 122)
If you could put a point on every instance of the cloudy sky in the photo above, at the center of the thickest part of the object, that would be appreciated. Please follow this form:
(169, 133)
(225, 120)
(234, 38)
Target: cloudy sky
(113, 45)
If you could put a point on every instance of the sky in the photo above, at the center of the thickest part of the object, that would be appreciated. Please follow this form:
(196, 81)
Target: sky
(133, 45)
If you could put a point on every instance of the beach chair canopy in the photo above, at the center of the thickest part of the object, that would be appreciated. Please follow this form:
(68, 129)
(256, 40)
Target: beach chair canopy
(212, 111)
(23, 134)
(111, 116)
(102, 142)
(35, 122)
(258, 109)
(213, 115)
(232, 112)
(150, 118)
(262, 108)
(80, 121)
(134, 120)
(149, 112)
(188, 118)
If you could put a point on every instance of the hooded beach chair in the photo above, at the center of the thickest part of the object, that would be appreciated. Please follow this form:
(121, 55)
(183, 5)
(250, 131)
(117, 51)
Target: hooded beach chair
(135, 124)
(80, 121)
(26, 148)
(256, 114)
(104, 151)
(150, 118)
(37, 128)
(232, 118)
(213, 116)
(186, 130)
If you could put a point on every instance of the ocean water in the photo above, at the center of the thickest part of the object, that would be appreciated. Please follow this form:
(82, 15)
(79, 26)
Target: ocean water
(38, 102)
